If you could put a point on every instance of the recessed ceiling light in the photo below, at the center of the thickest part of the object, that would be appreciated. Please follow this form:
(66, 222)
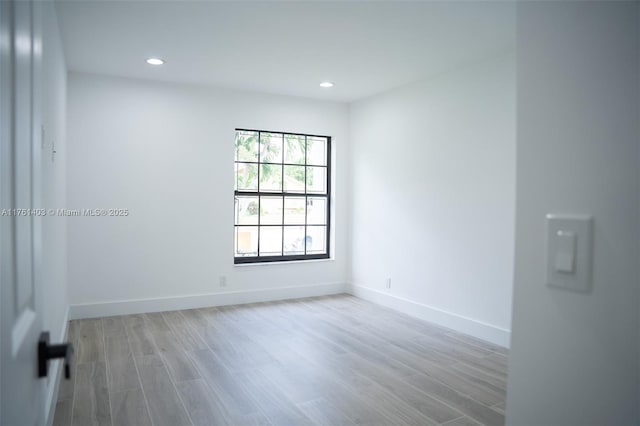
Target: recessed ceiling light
(155, 61)
(326, 84)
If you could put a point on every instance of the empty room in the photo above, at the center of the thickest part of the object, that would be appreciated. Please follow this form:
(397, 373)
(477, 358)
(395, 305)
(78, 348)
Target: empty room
(330, 213)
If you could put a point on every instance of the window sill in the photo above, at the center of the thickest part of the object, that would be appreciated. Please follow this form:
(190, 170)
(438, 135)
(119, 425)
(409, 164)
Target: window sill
(286, 262)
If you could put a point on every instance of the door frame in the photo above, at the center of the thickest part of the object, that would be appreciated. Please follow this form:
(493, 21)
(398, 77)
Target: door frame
(21, 23)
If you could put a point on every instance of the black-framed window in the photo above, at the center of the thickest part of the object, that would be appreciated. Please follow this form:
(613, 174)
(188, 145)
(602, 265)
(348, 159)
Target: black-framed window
(282, 196)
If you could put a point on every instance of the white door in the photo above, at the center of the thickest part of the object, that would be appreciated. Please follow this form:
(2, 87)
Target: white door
(22, 392)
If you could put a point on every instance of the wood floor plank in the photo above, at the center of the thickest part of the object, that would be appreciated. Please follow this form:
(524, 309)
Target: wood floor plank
(501, 407)
(462, 421)
(494, 364)
(165, 406)
(62, 416)
(304, 378)
(91, 398)
(204, 409)
(466, 385)
(128, 408)
(211, 315)
(167, 342)
(180, 366)
(500, 361)
(224, 384)
(322, 412)
(463, 345)
(301, 384)
(154, 322)
(453, 348)
(356, 409)
(353, 343)
(273, 403)
(467, 371)
(121, 367)
(231, 313)
(273, 335)
(426, 402)
(171, 348)
(189, 339)
(234, 349)
(141, 342)
(426, 353)
(487, 366)
(397, 409)
(463, 403)
(458, 380)
(113, 326)
(73, 332)
(478, 342)
(175, 319)
(195, 318)
(90, 341)
(66, 389)
(379, 334)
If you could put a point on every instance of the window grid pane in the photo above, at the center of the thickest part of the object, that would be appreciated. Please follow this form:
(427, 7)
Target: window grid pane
(290, 182)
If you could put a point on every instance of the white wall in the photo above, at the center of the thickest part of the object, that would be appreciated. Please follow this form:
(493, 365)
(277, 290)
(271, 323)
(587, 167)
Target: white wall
(433, 184)
(54, 235)
(574, 356)
(165, 152)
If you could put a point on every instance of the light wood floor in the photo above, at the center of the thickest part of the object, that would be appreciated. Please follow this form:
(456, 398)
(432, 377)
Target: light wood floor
(334, 360)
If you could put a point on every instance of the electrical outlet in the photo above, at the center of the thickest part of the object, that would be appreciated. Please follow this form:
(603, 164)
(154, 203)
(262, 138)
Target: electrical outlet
(388, 282)
(223, 280)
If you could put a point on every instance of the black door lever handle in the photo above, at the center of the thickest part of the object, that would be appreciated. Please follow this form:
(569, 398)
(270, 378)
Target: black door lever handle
(47, 352)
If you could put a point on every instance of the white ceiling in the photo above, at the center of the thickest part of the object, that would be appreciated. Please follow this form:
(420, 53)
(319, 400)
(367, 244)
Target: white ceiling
(283, 47)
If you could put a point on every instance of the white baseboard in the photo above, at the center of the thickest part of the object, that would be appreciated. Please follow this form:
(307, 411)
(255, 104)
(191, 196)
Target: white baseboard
(488, 332)
(51, 397)
(126, 307)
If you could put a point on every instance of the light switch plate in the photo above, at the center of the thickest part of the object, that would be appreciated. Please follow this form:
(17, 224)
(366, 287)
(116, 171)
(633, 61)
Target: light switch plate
(569, 251)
